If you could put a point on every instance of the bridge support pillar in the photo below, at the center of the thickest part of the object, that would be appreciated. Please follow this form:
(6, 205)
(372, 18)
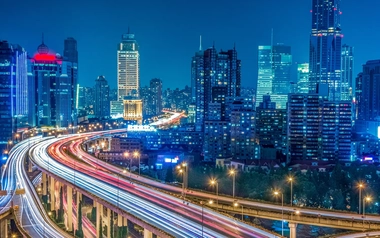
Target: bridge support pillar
(293, 230)
(4, 228)
(99, 223)
(44, 185)
(30, 165)
(69, 193)
(52, 194)
(109, 222)
(147, 233)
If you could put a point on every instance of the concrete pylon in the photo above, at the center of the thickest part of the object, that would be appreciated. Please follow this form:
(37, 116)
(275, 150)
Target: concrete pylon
(108, 222)
(119, 220)
(99, 210)
(147, 233)
(69, 193)
(293, 229)
(4, 228)
(44, 184)
(52, 193)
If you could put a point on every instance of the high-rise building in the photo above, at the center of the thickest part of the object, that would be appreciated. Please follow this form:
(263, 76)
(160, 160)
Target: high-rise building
(348, 84)
(217, 140)
(303, 78)
(70, 52)
(271, 127)
(102, 101)
(265, 73)
(368, 92)
(132, 109)
(156, 102)
(55, 81)
(211, 70)
(318, 129)
(13, 92)
(326, 49)
(274, 67)
(128, 67)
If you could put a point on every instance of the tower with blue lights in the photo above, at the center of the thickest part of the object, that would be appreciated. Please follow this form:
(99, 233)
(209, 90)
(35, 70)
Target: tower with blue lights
(326, 49)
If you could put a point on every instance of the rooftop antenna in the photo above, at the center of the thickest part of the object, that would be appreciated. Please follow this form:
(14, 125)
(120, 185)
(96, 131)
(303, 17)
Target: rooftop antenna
(200, 42)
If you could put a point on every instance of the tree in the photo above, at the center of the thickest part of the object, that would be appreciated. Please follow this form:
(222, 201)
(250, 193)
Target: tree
(60, 211)
(79, 232)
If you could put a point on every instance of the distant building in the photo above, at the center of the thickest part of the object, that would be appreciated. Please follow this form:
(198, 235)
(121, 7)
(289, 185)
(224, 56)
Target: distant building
(209, 70)
(217, 140)
(102, 101)
(348, 84)
(132, 109)
(274, 67)
(326, 49)
(70, 52)
(156, 89)
(271, 127)
(14, 92)
(55, 81)
(126, 144)
(318, 129)
(303, 78)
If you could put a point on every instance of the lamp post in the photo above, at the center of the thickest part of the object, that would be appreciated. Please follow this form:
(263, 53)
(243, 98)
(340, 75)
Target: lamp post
(368, 199)
(233, 173)
(215, 182)
(276, 193)
(137, 154)
(290, 179)
(182, 169)
(361, 186)
(242, 210)
(126, 155)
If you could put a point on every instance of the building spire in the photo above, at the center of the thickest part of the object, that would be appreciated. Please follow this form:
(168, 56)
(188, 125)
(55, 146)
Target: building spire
(200, 42)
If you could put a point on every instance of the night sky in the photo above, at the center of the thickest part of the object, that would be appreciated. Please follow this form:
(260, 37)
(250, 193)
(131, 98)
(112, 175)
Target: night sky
(168, 31)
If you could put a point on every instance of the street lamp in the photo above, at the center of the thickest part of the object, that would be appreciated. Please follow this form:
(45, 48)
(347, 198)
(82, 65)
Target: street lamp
(276, 193)
(290, 179)
(136, 154)
(182, 169)
(361, 186)
(242, 211)
(233, 174)
(368, 199)
(215, 182)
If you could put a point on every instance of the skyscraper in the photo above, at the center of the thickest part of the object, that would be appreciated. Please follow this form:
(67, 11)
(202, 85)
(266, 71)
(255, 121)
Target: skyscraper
(348, 84)
(70, 52)
(326, 49)
(274, 67)
(156, 90)
(128, 67)
(211, 70)
(54, 80)
(303, 78)
(102, 100)
(13, 91)
(318, 129)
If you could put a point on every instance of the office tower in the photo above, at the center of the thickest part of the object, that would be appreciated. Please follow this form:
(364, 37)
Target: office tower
(348, 85)
(369, 97)
(211, 70)
(242, 116)
(81, 101)
(358, 94)
(54, 80)
(13, 92)
(318, 129)
(70, 52)
(303, 78)
(265, 73)
(132, 109)
(271, 128)
(274, 67)
(128, 67)
(102, 100)
(326, 49)
(156, 102)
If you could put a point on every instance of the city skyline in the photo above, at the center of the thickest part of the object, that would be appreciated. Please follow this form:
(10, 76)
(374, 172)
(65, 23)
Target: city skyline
(157, 34)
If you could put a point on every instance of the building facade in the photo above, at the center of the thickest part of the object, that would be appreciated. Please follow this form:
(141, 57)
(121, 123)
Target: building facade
(326, 49)
(318, 129)
(303, 78)
(156, 90)
(348, 84)
(128, 67)
(102, 100)
(13, 92)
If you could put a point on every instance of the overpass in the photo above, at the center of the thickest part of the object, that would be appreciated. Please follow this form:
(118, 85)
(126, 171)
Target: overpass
(318, 217)
(114, 191)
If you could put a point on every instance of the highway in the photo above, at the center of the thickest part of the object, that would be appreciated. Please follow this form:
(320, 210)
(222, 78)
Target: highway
(76, 149)
(31, 215)
(165, 212)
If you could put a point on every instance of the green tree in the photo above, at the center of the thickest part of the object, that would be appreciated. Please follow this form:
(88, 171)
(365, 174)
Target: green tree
(79, 232)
